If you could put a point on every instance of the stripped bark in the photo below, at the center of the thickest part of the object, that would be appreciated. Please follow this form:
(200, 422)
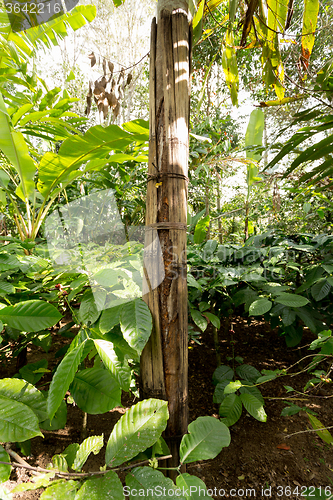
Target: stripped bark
(164, 360)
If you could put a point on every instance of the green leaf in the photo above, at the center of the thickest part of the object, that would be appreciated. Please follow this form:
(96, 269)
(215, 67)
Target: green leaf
(95, 391)
(4, 493)
(232, 387)
(136, 323)
(291, 300)
(138, 429)
(254, 407)
(207, 436)
(324, 434)
(213, 319)
(219, 394)
(5, 470)
(118, 369)
(222, 373)
(62, 379)
(230, 409)
(193, 487)
(229, 64)
(197, 22)
(321, 289)
(253, 137)
(248, 372)
(151, 483)
(33, 372)
(13, 145)
(70, 453)
(310, 15)
(17, 421)
(6, 287)
(23, 392)
(30, 315)
(110, 318)
(61, 491)
(92, 444)
(247, 388)
(260, 307)
(107, 487)
(199, 319)
(58, 421)
(88, 312)
(201, 229)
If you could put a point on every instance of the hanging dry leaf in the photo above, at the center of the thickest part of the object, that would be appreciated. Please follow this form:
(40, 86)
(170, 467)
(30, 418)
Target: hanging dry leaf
(113, 84)
(129, 79)
(92, 59)
(111, 67)
(88, 107)
(120, 93)
(103, 82)
(105, 109)
(90, 90)
(104, 66)
(121, 75)
(116, 110)
(99, 90)
(111, 97)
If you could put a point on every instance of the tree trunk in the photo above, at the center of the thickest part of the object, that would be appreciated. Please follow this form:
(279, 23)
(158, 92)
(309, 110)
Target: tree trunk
(164, 360)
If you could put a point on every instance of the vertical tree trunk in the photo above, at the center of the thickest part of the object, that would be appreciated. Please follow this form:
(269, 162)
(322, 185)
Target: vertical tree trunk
(164, 360)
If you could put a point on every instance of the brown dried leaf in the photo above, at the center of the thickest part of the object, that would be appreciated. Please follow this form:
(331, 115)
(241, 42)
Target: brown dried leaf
(111, 97)
(113, 84)
(116, 110)
(103, 82)
(92, 58)
(129, 79)
(90, 90)
(111, 67)
(121, 75)
(104, 66)
(99, 90)
(88, 108)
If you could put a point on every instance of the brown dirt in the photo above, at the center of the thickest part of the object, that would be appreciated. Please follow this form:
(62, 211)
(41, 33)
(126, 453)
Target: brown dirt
(254, 460)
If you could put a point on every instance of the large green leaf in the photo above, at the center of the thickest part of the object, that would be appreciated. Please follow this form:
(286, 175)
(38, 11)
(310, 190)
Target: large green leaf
(22, 391)
(199, 319)
(310, 15)
(88, 312)
(62, 379)
(107, 487)
(61, 491)
(254, 133)
(291, 300)
(93, 444)
(30, 316)
(152, 483)
(254, 407)
(323, 433)
(207, 436)
(58, 421)
(136, 323)
(230, 409)
(96, 144)
(248, 388)
(17, 421)
(138, 429)
(110, 318)
(95, 391)
(5, 470)
(193, 487)
(13, 145)
(119, 369)
(321, 289)
(248, 372)
(260, 307)
(222, 373)
(229, 64)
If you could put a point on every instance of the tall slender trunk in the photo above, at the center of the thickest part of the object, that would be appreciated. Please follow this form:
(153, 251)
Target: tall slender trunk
(164, 360)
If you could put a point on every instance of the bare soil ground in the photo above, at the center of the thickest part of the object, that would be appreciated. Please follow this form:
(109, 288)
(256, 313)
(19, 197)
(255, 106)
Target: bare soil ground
(276, 459)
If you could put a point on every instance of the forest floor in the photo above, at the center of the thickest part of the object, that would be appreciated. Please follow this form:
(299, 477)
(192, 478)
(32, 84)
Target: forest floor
(276, 459)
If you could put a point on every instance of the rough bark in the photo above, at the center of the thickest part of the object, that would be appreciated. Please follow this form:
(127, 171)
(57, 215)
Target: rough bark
(164, 360)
